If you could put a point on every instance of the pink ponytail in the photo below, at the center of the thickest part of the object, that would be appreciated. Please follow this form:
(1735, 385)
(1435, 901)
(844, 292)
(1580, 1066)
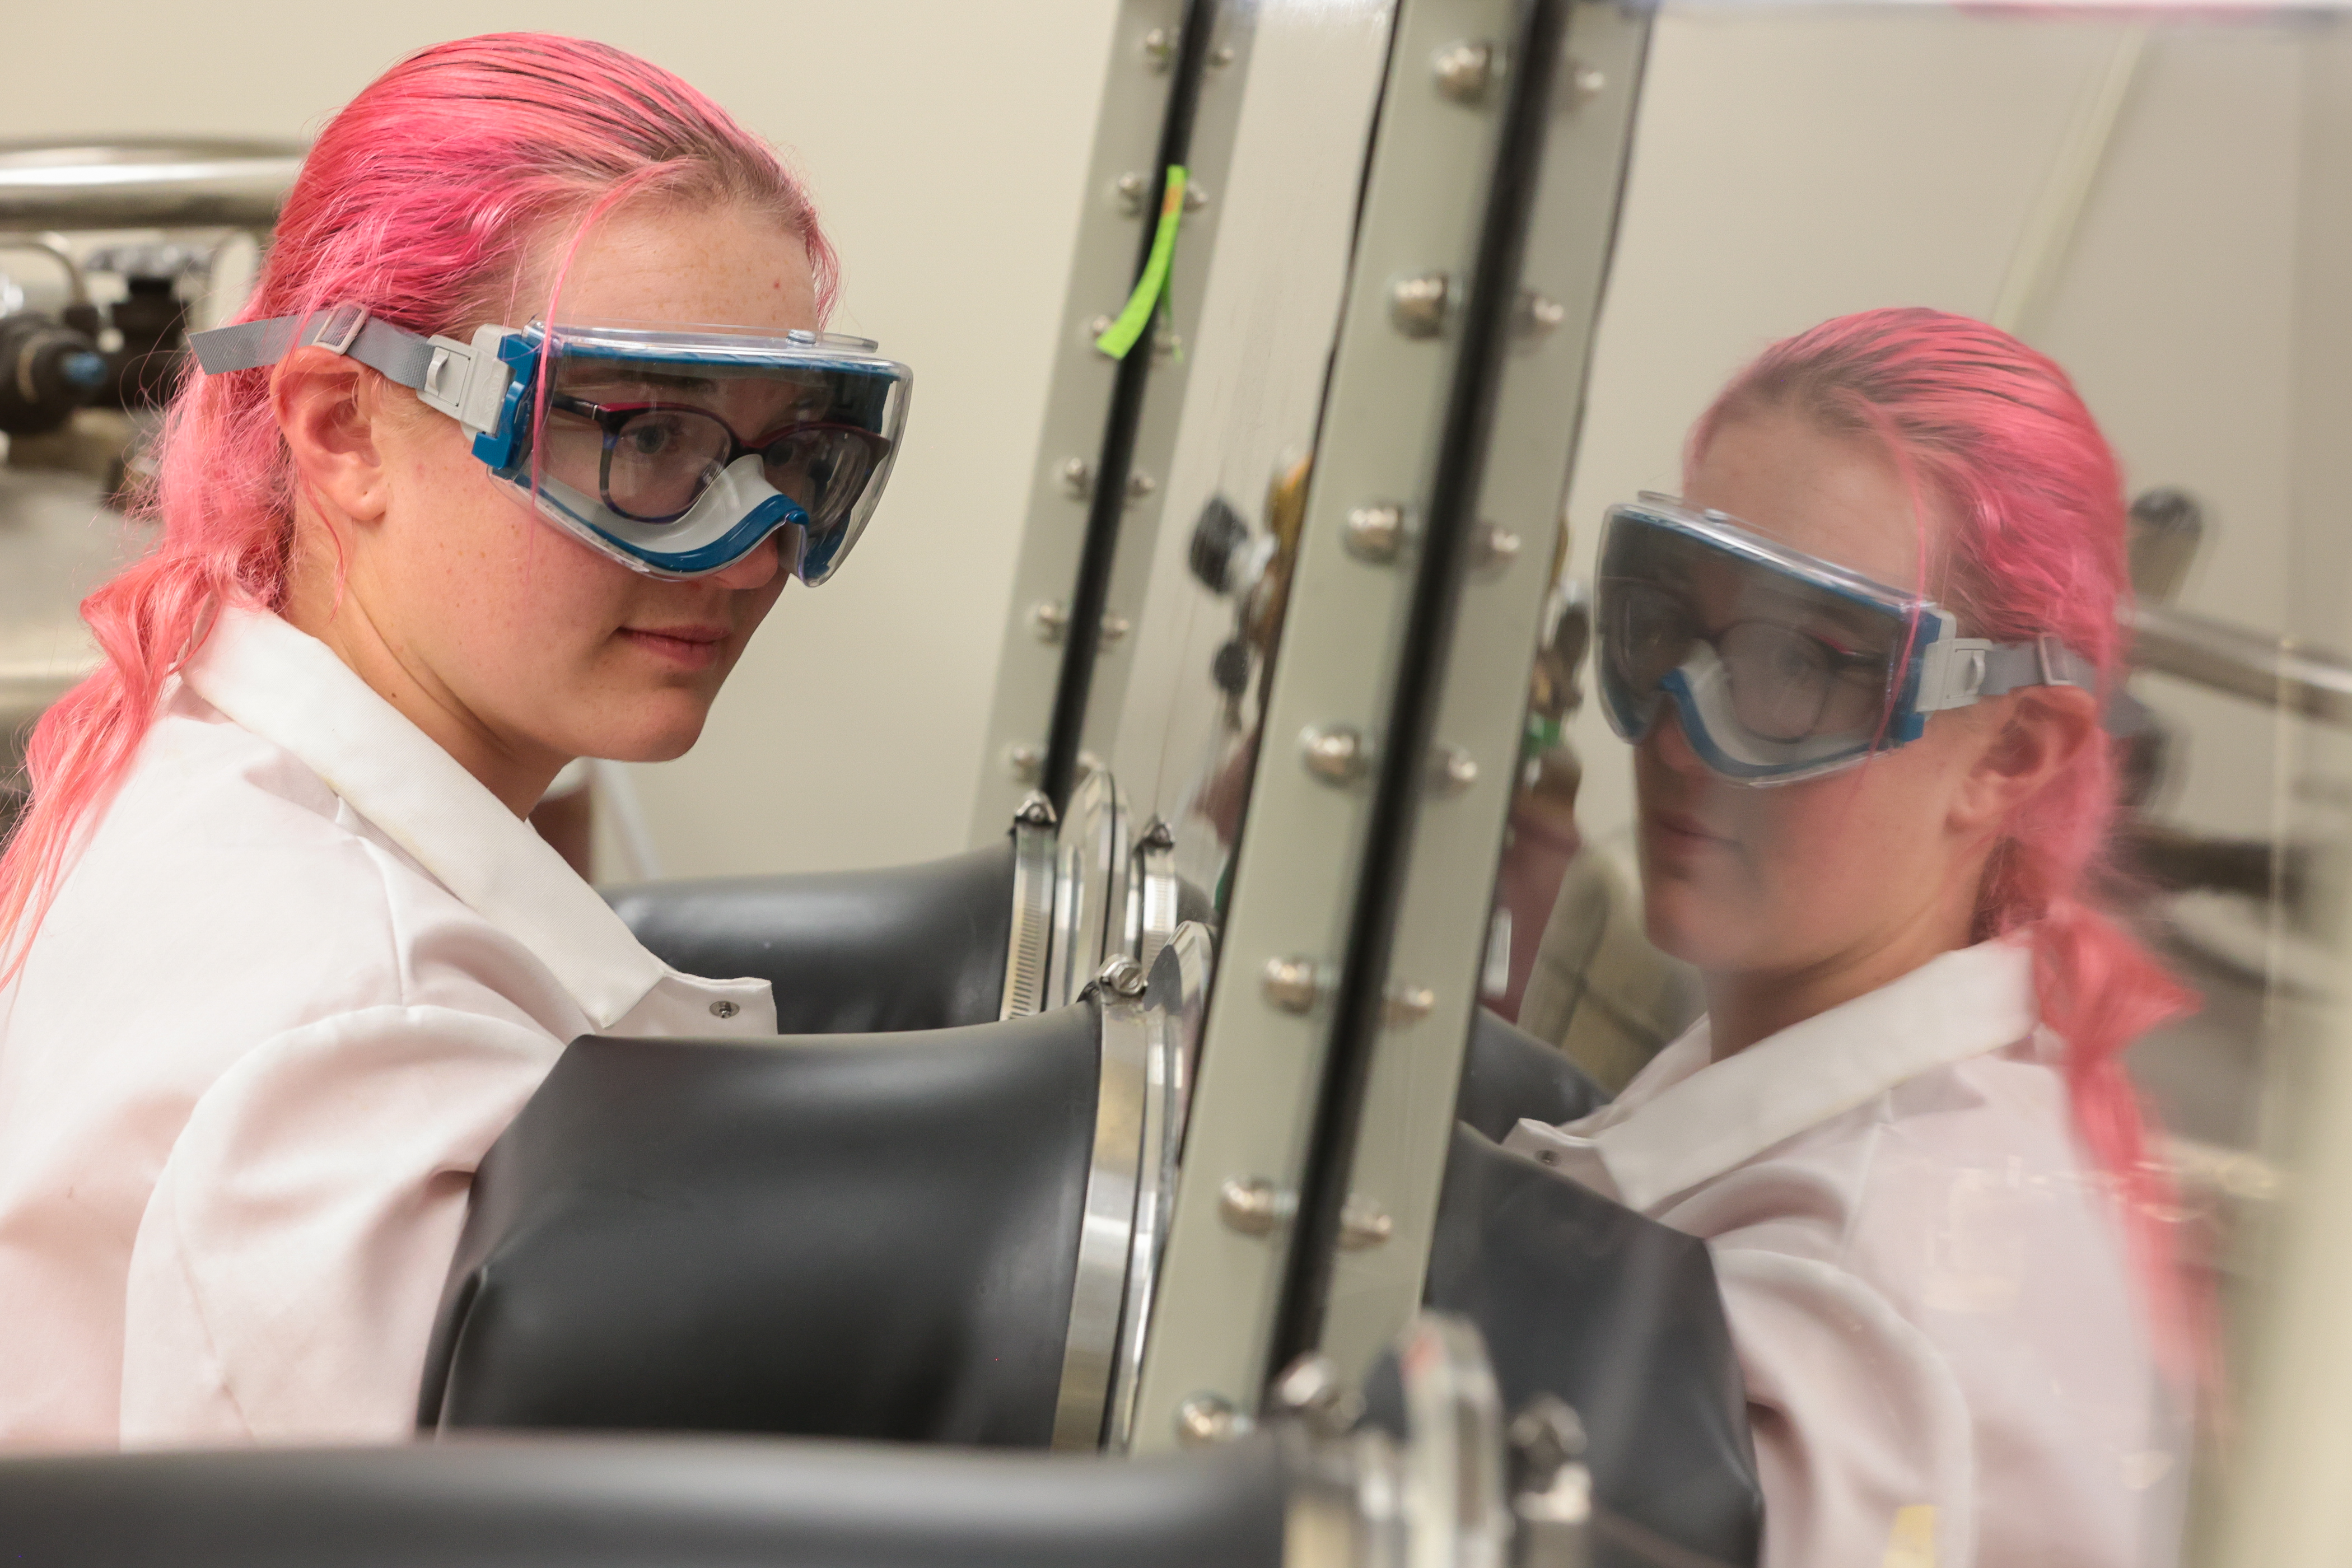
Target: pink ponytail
(429, 200)
(1998, 435)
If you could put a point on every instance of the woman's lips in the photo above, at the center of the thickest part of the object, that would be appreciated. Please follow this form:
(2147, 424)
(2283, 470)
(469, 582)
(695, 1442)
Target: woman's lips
(1677, 828)
(688, 648)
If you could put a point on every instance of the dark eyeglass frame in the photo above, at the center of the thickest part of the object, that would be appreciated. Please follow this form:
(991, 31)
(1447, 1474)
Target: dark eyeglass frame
(611, 418)
(1838, 661)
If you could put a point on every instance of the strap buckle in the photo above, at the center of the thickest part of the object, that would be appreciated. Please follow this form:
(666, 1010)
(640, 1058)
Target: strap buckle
(2050, 655)
(341, 329)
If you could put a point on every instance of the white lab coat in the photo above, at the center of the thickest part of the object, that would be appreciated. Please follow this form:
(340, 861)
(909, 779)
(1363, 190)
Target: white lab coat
(299, 978)
(1945, 1349)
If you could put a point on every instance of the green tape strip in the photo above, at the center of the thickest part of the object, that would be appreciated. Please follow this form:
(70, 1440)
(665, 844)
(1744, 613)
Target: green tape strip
(1125, 333)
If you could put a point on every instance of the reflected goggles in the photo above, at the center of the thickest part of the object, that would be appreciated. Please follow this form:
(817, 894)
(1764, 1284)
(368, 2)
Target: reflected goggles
(1780, 665)
(675, 451)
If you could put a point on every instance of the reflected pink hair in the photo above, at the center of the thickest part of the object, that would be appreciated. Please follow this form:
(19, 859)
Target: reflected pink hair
(1996, 435)
(430, 200)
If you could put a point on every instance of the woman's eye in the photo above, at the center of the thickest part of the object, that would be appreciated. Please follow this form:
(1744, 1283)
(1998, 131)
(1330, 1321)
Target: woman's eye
(649, 438)
(1798, 656)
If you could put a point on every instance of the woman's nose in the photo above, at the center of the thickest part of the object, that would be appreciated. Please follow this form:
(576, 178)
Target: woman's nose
(759, 566)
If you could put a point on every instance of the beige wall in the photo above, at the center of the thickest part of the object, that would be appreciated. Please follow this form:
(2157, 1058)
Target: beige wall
(946, 143)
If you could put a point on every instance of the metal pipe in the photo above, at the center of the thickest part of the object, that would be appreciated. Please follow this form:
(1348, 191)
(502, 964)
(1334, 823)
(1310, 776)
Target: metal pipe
(2278, 672)
(53, 245)
(156, 182)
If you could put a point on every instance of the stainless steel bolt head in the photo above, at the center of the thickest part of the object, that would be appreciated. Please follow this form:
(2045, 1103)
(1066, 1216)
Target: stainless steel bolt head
(1417, 305)
(1363, 1223)
(1335, 753)
(1464, 71)
(1293, 984)
(1375, 533)
(1409, 1003)
(1256, 1207)
(1209, 1418)
(1122, 977)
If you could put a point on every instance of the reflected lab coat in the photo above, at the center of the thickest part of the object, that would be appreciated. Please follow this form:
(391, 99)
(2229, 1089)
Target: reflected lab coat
(1944, 1348)
(299, 977)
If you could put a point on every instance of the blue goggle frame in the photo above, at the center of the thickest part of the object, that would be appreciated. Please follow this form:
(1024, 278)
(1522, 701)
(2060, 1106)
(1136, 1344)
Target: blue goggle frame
(490, 387)
(1933, 668)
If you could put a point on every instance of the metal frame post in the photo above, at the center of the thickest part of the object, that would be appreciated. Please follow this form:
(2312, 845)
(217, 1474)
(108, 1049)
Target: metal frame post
(1295, 945)
(1089, 528)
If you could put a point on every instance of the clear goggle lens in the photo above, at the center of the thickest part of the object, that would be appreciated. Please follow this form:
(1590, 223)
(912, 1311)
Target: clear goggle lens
(1786, 683)
(1800, 661)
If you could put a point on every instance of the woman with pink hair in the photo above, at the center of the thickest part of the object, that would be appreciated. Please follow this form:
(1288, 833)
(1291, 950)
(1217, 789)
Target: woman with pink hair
(1861, 661)
(279, 956)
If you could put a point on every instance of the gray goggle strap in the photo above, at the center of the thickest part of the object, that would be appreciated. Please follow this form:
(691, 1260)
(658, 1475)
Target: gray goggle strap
(1964, 671)
(465, 380)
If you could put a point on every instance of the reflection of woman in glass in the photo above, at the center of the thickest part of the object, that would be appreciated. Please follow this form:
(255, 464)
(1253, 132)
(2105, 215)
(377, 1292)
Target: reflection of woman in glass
(1871, 817)
(279, 956)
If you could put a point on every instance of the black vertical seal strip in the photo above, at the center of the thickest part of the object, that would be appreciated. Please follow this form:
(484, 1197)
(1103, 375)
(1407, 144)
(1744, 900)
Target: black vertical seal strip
(1082, 633)
(1449, 532)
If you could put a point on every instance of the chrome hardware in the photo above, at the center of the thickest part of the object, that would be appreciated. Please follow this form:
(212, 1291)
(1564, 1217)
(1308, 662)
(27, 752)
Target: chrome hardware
(1027, 763)
(1096, 327)
(1077, 479)
(1454, 772)
(1293, 984)
(1255, 1207)
(1090, 1348)
(1208, 1418)
(1092, 858)
(1122, 977)
(1131, 192)
(1494, 549)
(1139, 485)
(1159, 46)
(1309, 1388)
(1409, 1003)
(1031, 938)
(1176, 1002)
(1553, 1503)
(1335, 753)
(1465, 72)
(1152, 893)
(1583, 83)
(1363, 1223)
(1221, 57)
(1052, 623)
(1417, 305)
(725, 1010)
(1538, 315)
(1195, 198)
(1376, 534)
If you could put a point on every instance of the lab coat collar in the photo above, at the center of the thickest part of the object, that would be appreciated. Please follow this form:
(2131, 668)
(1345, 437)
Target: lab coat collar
(1685, 1119)
(291, 689)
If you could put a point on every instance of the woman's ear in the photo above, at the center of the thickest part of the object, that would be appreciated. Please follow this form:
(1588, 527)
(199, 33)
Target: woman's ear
(2041, 734)
(326, 407)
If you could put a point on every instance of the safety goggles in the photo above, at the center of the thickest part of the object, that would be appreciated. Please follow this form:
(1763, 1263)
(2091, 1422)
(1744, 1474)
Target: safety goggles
(675, 451)
(1782, 666)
